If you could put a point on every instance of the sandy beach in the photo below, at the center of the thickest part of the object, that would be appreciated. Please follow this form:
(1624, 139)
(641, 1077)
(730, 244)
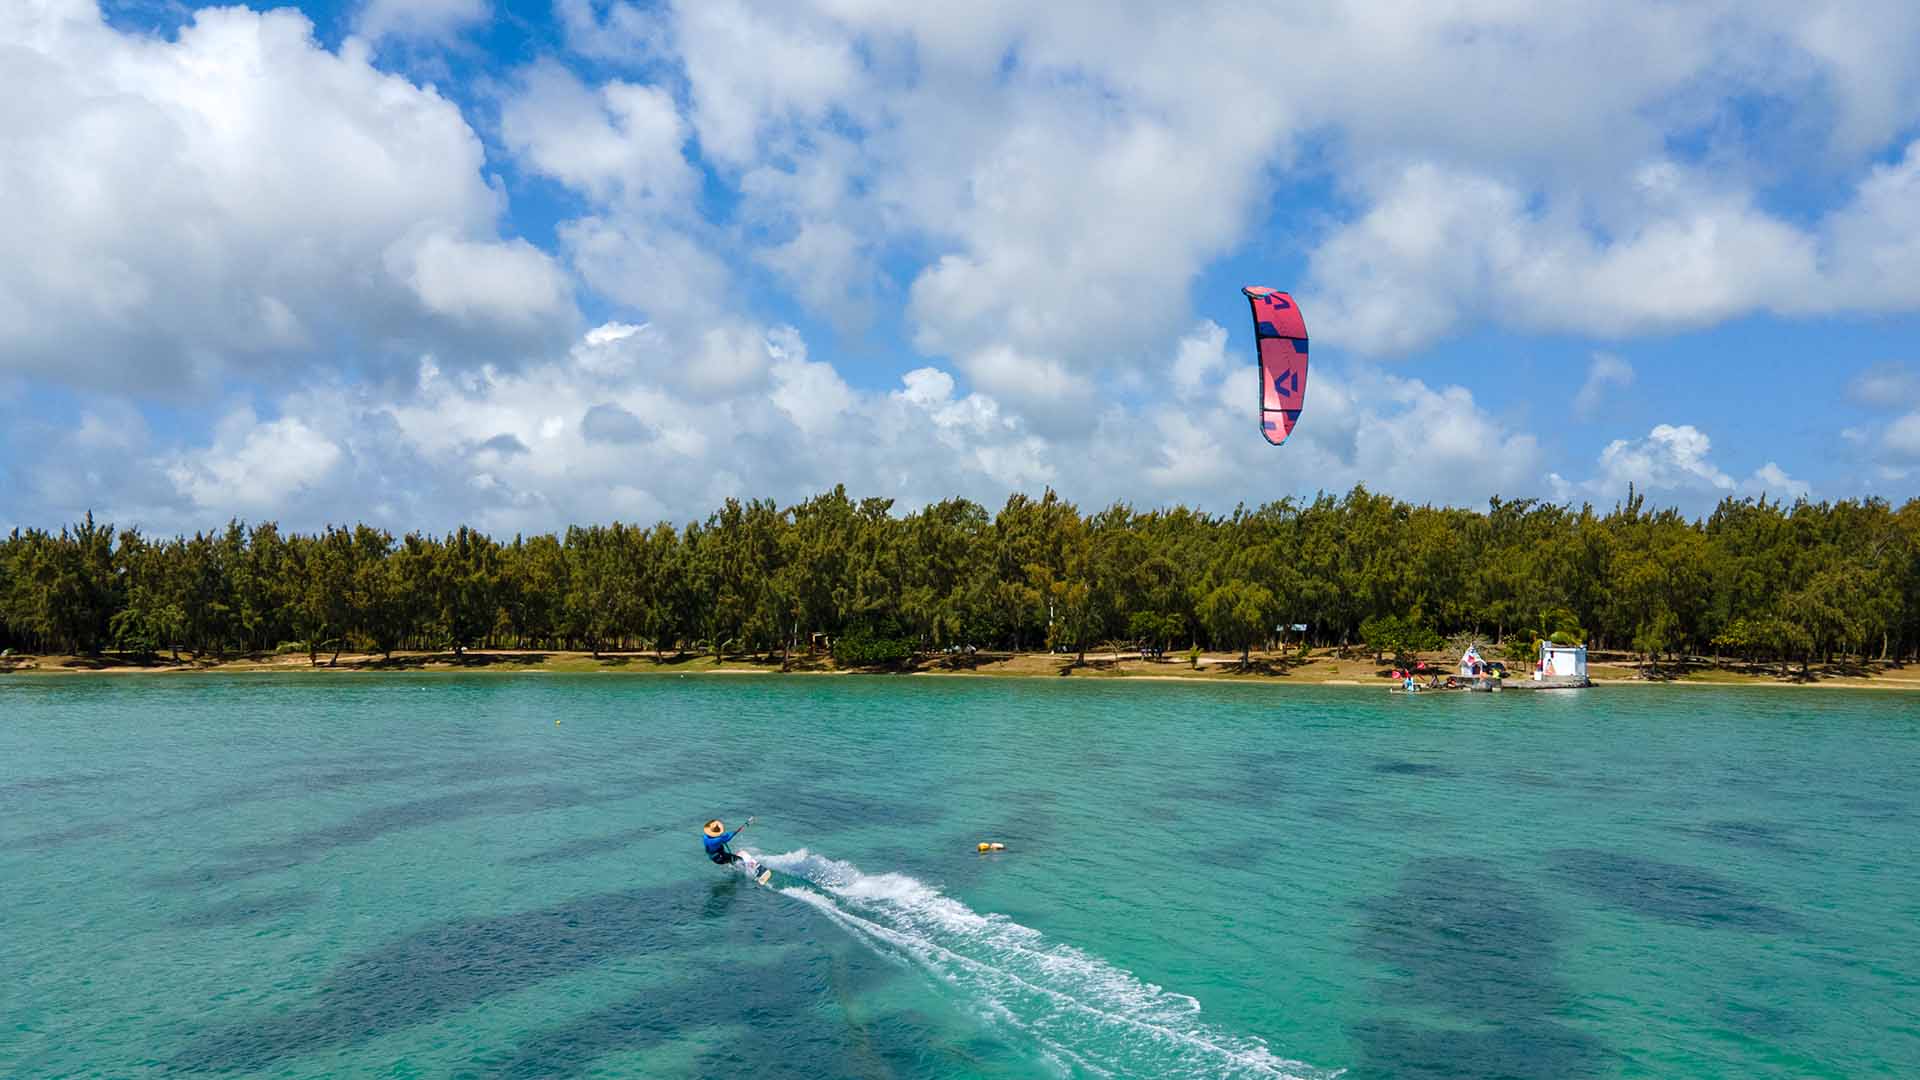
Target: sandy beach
(1263, 668)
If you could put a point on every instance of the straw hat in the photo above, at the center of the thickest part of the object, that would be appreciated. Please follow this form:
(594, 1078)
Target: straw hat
(714, 827)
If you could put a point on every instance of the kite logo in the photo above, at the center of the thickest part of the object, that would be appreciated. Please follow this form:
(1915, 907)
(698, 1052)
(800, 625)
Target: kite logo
(1287, 384)
(1277, 301)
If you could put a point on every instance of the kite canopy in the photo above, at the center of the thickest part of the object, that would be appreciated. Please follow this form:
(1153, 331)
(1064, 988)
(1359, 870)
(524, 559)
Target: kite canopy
(1280, 334)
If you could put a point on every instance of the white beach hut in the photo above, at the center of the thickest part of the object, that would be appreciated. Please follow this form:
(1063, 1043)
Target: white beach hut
(1562, 661)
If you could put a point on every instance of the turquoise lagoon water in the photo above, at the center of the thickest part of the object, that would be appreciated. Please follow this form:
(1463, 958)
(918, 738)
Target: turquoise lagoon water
(425, 876)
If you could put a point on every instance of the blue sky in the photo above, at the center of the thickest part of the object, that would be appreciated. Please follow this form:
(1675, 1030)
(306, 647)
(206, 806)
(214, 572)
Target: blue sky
(534, 263)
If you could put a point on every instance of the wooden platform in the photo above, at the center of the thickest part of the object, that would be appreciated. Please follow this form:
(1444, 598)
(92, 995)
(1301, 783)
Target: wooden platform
(1557, 682)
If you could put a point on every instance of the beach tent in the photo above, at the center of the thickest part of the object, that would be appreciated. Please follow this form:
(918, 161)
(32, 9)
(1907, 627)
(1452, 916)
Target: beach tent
(1563, 661)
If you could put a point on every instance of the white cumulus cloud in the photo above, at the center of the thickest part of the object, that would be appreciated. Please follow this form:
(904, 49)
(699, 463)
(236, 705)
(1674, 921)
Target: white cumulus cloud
(232, 197)
(1031, 219)
(617, 426)
(750, 65)
(1439, 249)
(420, 19)
(1674, 463)
(1902, 437)
(255, 466)
(1672, 456)
(487, 283)
(620, 142)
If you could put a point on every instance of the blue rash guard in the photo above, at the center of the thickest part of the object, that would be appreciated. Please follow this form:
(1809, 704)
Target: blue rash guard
(717, 846)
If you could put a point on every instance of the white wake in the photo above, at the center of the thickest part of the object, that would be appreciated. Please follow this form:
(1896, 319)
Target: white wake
(1084, 1013)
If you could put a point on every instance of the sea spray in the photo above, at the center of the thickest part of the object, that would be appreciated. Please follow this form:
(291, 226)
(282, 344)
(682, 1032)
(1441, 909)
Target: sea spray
(1083, 1012)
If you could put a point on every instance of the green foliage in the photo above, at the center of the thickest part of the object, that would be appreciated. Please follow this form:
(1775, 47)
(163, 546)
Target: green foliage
(1398, 636)
(1156, 628)
(1759, 580)
(1521, 651)
(1237, 615)
(873, 646)
(1556, 625)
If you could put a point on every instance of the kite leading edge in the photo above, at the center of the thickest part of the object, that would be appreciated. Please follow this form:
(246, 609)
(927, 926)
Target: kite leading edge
(1280, 334)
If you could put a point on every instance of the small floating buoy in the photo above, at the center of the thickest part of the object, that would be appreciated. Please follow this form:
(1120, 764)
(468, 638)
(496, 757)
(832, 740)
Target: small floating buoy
(556, 723)
(986, 846)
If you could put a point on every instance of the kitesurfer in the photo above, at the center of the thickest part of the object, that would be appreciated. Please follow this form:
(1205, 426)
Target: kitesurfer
(717, 839)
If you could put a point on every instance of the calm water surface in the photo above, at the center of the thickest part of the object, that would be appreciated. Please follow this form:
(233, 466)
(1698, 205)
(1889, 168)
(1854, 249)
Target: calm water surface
(425, 876)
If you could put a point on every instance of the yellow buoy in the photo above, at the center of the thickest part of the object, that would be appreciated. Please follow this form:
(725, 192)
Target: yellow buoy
(985, 846)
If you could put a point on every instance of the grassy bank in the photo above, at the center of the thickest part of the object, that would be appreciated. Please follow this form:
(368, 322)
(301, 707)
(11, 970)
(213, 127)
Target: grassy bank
(1276, 669)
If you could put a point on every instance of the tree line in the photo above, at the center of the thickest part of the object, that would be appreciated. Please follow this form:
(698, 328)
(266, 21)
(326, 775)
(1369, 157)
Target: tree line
(1755, 579)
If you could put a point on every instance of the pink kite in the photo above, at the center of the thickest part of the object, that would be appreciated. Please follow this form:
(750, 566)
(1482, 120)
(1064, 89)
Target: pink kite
(1280, 333)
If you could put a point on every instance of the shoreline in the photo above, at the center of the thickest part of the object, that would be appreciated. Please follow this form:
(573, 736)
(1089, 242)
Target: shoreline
(1266, 670)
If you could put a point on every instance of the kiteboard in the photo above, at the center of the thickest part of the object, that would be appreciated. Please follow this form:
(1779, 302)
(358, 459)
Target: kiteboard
(760, 874)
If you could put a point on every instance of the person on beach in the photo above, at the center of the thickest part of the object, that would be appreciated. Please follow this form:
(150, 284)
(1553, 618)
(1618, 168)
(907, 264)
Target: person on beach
(717, 837)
